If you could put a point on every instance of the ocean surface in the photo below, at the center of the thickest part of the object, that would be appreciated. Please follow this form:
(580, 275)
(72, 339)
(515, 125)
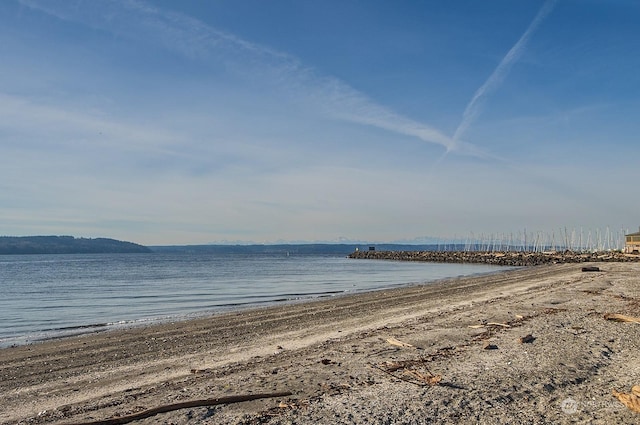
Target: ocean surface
(50, 296)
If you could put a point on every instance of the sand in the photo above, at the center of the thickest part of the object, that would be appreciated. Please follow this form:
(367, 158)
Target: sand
(335, 357)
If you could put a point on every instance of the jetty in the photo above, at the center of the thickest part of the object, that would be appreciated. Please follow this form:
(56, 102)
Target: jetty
(507, 258)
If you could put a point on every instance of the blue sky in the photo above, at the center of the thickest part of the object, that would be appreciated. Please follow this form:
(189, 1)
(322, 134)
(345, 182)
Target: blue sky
(185, 122)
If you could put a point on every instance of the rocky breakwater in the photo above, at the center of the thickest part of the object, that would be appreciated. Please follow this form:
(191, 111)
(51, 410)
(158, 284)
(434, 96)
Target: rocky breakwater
(516, 259)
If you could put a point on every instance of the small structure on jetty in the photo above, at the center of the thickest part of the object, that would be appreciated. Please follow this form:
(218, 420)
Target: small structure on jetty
(632, 243)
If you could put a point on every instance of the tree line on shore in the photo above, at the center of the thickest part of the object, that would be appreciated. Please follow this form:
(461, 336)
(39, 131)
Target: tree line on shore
(14, 245)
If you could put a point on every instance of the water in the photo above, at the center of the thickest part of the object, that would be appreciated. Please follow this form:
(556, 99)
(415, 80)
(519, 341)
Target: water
(48, 296)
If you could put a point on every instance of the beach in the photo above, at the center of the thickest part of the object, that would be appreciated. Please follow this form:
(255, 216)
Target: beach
(530, 345)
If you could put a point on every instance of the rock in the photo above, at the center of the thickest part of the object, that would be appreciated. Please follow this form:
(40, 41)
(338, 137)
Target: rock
(508, 258)
(489, 346)
(527, 339)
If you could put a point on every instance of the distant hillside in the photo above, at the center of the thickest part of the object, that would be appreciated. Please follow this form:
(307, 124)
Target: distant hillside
(298, 249)
(11, 245)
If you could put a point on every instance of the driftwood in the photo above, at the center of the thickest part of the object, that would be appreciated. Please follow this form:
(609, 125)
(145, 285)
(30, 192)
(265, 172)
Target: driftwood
(399, 343)
(504, 325)
(631, 400)
(428, 379)
(184, 405)
(621, 318)
(410, 375)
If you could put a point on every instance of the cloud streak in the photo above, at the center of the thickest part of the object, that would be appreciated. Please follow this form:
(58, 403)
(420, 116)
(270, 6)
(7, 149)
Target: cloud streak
(194, 39)
(472, 110)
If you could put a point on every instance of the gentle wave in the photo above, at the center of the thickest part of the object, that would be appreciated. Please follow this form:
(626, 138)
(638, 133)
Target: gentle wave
(54, 296)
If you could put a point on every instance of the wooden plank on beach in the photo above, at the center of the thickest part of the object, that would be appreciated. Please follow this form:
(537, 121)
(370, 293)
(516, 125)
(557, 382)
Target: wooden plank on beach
(396, 342)
(184, 405)
(621, 318)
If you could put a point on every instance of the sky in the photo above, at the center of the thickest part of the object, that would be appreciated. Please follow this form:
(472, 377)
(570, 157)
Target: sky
(248, 121)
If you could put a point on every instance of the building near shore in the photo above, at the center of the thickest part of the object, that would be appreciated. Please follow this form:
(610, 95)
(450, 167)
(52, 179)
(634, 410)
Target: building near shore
(632, 243)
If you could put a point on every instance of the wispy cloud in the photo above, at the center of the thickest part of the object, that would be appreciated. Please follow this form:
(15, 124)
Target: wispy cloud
(472, 110)
(194, 39)
(345, 103)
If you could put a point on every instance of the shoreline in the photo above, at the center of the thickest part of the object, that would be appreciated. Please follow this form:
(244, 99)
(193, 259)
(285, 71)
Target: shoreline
(334, 355)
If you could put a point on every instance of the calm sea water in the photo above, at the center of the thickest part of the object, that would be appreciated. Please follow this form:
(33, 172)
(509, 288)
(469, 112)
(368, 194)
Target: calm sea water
(47, 296)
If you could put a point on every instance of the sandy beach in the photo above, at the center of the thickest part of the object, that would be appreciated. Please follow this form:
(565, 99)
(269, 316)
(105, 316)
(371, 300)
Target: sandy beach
(523, 346)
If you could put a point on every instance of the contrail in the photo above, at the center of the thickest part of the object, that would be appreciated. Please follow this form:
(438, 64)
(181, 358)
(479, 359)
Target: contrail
(473, 107)
(139, 20)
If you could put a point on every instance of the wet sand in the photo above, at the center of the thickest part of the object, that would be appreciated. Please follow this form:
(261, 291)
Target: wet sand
(446, 352)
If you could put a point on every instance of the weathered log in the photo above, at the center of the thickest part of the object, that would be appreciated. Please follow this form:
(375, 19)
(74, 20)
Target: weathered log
(184, 405)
